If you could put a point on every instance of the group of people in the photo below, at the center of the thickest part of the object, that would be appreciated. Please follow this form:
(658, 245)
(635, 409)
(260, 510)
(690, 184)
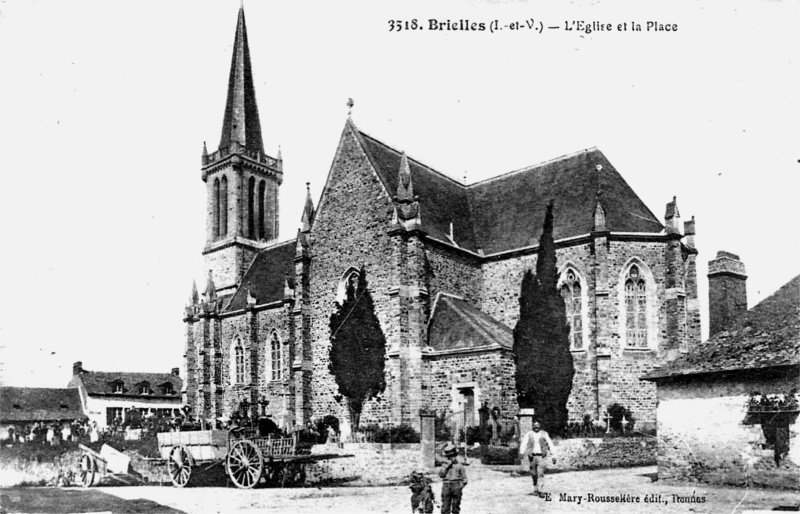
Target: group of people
(535, 446)
(51, 432)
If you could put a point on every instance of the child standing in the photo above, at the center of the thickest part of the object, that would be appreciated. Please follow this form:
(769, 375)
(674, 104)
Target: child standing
(454, 479)
(421, 493)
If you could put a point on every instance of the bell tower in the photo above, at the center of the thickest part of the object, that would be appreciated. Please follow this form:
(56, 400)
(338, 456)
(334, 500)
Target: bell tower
(242, 181)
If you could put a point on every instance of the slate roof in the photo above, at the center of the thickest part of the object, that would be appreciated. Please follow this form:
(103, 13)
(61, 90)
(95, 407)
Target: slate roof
(506, 212)
(457, 325)
(102, 383)
(39, 404)
(767, 336)
(266, 277)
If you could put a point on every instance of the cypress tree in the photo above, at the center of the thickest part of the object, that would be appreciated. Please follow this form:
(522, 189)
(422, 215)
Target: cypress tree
(358, 348)
(541, 338)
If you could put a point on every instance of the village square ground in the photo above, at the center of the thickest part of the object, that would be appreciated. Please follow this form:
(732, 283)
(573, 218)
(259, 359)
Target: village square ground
(488, 492)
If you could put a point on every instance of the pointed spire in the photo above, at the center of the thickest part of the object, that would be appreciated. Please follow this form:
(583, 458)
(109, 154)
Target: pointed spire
(405, 186)
(241, 124)
(195, 296)
(204, 159)
(211, 289)
(406, 205)
(308, 210)
(599, 218)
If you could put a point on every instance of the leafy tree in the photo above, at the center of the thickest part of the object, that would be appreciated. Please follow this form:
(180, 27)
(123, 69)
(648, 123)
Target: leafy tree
(358, 348)
(541, 339)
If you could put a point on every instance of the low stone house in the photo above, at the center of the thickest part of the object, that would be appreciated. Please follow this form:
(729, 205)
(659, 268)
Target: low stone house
(108, 395)
(727, 410)
(20, 406)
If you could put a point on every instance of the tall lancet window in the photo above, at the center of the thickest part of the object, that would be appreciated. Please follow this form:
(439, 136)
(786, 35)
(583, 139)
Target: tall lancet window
(635, 309)
(277, 358)
(238, 362)
(251, 205)
(262, 191)
(215, 207)
(571, 292)
(223, 206)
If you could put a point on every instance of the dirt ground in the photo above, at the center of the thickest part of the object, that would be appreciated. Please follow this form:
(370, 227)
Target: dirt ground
(488, 492)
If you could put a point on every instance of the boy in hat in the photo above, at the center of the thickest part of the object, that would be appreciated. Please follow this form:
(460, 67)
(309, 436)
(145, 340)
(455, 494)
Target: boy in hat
(454, 479)
(536, 444)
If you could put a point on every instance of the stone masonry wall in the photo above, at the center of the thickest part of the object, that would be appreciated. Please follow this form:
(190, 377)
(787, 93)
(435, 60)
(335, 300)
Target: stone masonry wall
(370, 464)
(452, 272)
(702, 438)
(350, 230)
(490, 373)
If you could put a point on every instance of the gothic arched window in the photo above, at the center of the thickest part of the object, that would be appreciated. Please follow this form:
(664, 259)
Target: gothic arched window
(238, 362)
(571, 292)
(635, 309)
(350, 278)
(215, 207)
(277, 357)
(223, 207)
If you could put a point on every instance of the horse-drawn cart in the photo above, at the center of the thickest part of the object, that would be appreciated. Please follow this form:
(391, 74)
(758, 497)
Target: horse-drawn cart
(248, 459)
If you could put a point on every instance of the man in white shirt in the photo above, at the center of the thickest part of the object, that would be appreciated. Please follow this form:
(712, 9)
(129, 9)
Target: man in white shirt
(537, 445)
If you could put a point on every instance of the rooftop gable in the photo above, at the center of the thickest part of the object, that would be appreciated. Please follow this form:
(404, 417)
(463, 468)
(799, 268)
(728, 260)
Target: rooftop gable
(767, 336)
(456, 325)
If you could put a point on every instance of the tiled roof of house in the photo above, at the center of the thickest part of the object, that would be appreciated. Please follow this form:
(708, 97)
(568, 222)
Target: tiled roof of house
(266, 277)
(457, 325)
(767, 336)
(39, 404)
(105, 383)
(506, 212)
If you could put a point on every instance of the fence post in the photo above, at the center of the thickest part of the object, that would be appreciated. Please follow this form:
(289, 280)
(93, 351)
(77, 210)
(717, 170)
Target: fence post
(428, 437)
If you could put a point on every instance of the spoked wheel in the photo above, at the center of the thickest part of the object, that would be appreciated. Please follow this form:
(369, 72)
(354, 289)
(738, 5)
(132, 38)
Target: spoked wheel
(179, 464)
(87, 471)
(244, 464)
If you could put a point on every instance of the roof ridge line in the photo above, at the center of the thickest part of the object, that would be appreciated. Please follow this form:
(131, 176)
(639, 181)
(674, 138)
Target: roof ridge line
(417, 161)
(537, 165)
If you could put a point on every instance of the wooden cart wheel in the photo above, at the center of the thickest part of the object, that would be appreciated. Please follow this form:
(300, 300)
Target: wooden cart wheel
(179, 464)
(244, 464)
(87, 471)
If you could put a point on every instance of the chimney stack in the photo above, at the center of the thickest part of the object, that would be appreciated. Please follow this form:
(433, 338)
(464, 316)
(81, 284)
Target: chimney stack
(176, 372)
(727, 292)
(77, 368)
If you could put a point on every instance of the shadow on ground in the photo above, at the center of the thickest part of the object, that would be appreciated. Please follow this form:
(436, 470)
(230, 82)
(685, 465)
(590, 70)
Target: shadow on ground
(46, 500)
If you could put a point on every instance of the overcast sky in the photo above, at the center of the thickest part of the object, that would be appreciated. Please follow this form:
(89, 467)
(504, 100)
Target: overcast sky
(104, 107)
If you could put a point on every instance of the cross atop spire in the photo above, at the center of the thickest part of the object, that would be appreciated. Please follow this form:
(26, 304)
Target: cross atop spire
(241, 124)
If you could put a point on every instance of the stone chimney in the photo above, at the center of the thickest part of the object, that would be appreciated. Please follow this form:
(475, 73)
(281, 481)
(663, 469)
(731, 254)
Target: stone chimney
(727, 292)
(176, 372)
(77, 368)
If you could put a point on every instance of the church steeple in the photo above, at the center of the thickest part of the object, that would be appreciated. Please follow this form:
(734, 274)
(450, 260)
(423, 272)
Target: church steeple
(242, 181)
(241, 123)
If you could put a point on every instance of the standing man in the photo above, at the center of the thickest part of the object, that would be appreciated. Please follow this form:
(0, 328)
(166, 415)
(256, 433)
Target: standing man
(537, 445)
(454, 479)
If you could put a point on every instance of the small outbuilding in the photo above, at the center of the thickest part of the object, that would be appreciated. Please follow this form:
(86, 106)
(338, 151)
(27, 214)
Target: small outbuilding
(21, 406)
(727, 410)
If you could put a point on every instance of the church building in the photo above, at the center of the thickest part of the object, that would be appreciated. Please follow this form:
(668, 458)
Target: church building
(444, 262)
